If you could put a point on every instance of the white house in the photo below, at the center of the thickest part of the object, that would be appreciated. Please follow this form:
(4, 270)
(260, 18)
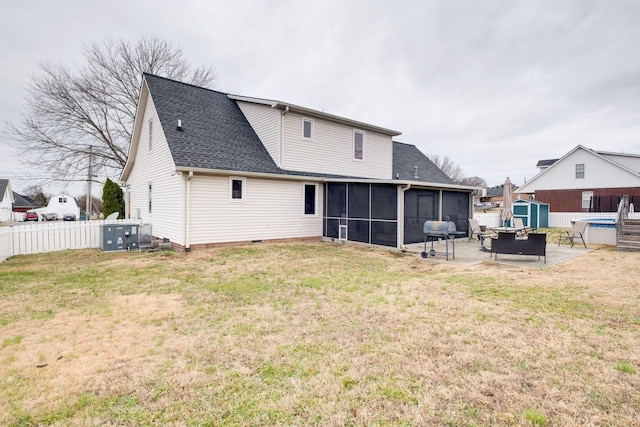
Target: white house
(586, 180)
(206, 167)
(6, 200)
(60, 205)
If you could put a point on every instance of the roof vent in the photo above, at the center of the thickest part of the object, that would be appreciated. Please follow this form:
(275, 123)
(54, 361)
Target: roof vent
(179, 127)
(415, 172)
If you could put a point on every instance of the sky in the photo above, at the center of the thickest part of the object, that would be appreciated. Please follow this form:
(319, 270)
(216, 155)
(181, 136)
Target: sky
(493, 85)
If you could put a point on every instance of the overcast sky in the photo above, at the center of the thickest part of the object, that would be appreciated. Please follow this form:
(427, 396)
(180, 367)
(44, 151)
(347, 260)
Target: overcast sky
(494, 85)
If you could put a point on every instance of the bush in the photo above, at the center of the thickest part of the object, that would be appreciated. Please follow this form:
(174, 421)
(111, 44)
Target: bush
(112, 199)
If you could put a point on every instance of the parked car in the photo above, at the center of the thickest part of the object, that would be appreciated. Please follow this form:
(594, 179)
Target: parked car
(31, 216)
(50, 216)
(69, 217)
(477, 204)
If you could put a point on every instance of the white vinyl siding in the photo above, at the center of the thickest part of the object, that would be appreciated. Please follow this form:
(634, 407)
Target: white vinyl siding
(265, 122)
(157, 168)
(273, 209)
(332, 150)
(599, 173)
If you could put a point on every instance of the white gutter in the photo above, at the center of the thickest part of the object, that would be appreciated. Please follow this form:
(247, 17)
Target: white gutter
(187, 214)
(281, 159)
(421, 184)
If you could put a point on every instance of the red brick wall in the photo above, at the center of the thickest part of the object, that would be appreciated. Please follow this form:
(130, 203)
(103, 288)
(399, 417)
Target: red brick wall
(571, 200)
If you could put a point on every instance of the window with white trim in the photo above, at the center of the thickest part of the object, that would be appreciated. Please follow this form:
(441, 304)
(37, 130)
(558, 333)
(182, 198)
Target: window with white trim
(579, 170)
(237, 188)
(307, 128)
(586, 199)
(310, 198)
(358, 145)
(150, 135)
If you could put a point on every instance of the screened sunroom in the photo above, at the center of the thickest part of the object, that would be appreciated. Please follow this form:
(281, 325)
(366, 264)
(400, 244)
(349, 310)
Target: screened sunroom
(391, 213)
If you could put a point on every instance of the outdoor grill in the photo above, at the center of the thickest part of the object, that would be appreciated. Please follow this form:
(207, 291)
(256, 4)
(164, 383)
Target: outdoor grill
(436, 230)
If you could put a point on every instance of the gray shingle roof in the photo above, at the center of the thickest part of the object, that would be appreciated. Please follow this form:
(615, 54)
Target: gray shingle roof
(405, 159)
(215, 134)
(22, 201)
(547, 162)
(3, 187)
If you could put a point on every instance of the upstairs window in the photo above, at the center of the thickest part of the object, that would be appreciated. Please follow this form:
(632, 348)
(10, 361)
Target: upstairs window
(307, 128)
(236, 189)
(358, 145)
(62, 200)
(579, 170)
(310, 199)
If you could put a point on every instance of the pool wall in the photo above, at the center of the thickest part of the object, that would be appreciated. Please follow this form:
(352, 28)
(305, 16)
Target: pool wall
(601, 231)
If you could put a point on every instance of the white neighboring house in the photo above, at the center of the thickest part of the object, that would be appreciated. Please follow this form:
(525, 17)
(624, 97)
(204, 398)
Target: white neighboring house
(206, 167)
(586, 180)
(60, 205)
(6, 200)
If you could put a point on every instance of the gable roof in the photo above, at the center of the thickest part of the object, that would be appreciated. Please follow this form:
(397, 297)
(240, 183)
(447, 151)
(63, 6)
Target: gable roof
(407, 157)
(605, 156)
(4, 185)
(22, 201)
(215, 135)
(498, 190)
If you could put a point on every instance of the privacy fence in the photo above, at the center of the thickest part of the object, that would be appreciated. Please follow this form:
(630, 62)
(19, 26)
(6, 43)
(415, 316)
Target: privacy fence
(51, 236)
(556, 219)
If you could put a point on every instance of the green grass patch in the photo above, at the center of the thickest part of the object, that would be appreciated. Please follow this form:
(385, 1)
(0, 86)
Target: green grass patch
(536, 417)
(626, 367)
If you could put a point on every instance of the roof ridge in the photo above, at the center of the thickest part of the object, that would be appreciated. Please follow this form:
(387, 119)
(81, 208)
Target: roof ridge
(183, 83)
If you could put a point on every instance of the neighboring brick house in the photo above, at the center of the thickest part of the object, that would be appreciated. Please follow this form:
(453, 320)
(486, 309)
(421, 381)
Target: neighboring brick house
(206, 167)
(585, 180)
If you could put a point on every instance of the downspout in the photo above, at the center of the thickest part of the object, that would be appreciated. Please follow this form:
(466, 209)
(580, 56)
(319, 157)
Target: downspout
(284, 113)
(400, 242)
(187, 231)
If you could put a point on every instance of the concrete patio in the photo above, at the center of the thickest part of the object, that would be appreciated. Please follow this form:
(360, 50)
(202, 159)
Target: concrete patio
(469, 253)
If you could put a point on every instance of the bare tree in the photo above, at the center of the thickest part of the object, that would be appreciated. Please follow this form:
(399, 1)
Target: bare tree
(448, 166)
(74, 115)
(474, 181)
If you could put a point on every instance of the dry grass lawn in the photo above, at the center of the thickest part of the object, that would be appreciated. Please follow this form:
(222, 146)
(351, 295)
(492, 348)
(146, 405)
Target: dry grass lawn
(317, 334)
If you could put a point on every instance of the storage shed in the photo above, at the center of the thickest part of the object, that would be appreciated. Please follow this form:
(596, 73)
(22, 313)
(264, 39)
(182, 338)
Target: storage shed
(534, 214)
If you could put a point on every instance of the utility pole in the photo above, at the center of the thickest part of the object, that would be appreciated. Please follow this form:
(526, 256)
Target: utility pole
(87, 209)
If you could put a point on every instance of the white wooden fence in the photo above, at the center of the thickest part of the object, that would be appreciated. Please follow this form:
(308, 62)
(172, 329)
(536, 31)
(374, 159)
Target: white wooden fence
(51, 236)
(556, 219)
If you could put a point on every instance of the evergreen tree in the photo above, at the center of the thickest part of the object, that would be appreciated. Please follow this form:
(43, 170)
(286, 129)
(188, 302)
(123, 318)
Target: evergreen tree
(112, 199)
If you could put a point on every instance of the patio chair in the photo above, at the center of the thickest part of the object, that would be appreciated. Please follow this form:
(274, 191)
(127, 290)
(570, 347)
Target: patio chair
(521, 230)
(474, 228)
(577, 232)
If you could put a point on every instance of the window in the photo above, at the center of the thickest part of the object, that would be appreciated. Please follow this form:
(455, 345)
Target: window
(236, 189)
(586, 199)
(307, 128)
(150, 135)
(358, 145)
(310, 199)
(150, 198)
(62, 200)
(579, 170)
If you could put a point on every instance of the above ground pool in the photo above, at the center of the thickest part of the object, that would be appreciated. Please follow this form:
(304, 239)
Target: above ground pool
(601, 231)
